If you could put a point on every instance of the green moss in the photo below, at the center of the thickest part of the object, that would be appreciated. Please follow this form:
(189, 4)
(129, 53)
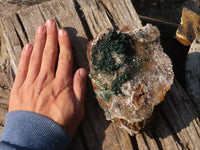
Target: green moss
(102, 58)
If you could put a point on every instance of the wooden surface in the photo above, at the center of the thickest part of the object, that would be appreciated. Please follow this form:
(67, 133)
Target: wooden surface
(9, 7)
(177, 124)
(6, 80)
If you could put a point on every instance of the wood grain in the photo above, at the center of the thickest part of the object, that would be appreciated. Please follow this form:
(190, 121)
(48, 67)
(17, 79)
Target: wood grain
(8, 7)
(20, 29)
(101, 14)
(6, 80)
(177, 124)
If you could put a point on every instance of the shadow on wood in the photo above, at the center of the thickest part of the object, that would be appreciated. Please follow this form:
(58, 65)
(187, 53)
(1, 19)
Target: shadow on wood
(176, 125)
(94, 122)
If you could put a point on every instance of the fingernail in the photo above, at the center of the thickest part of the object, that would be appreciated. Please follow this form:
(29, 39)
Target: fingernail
(82, 73)
(50, 23)
(40, 29)
(62, 32)
(28, 47)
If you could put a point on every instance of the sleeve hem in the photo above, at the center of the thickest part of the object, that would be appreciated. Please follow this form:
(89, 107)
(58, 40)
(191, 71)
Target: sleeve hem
(33, 131)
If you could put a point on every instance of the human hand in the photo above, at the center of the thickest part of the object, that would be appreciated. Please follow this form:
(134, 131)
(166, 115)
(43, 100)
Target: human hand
(37, 88)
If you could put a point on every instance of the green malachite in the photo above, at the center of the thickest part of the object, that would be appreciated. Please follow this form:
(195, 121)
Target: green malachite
(122, 45)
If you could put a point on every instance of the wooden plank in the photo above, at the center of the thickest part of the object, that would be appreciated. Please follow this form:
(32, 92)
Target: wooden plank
(145, 142)
(6, 80)
(104, 14)
(122, 13)
(162, 136)
(176, 126)
(119, 137)
(91, 127)
(95, 15)
(182, 117)
(8, 7)
(23, 26)
(12, 42)
(75, 29)
(101, 14)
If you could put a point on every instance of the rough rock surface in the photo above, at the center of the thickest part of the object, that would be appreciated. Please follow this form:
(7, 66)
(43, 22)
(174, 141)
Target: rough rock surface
(189, 27)
(192, 72)
(129, 90)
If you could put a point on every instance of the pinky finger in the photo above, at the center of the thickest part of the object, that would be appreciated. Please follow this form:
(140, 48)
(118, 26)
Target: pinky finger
(23, 65)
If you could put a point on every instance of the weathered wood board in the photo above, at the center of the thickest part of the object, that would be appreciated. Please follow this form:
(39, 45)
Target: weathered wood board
(177, 125)
(20, 28)
(193, 73)
(9, 7)
(161, 128)
(6, 80)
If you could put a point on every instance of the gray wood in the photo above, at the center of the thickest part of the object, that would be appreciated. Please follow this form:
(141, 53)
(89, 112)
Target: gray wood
(145, 142)
(176, 125)
(182, 117)
(20, 28)
(116, 139)
(101, 14)
(6, 80)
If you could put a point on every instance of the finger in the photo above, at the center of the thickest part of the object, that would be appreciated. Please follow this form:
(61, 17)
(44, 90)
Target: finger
(36, 57)
(65, 61)
(23, 65)
(79, 84)
(51, 48)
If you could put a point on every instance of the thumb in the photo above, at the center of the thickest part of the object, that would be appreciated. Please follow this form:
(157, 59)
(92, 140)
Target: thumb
(79, 84)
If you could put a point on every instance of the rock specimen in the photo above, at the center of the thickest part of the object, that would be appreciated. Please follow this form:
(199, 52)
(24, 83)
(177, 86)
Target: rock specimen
(189, 27)
(192, 73)
(130, 74)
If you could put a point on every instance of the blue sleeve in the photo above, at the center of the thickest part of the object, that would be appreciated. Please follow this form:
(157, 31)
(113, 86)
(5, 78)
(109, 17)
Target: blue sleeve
(26, 130)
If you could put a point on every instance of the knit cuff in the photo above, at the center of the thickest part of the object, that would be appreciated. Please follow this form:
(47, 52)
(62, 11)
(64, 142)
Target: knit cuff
(29, 130)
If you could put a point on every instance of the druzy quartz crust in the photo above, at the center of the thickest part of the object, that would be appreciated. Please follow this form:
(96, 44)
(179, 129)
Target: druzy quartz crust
(130, 74)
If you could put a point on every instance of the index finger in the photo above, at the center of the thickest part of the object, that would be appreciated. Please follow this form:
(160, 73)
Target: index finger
(65, 60)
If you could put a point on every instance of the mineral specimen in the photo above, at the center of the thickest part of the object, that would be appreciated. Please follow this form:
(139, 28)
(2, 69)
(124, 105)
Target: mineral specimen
(189, 27)
(130, 74)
